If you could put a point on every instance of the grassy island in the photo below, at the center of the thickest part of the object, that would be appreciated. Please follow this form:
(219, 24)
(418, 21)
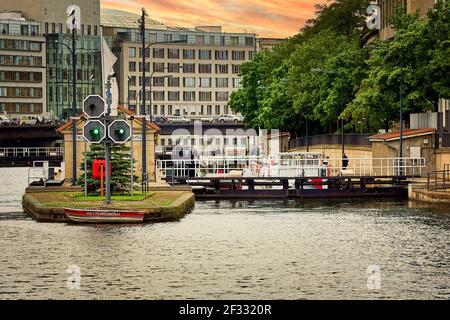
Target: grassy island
(163, 204)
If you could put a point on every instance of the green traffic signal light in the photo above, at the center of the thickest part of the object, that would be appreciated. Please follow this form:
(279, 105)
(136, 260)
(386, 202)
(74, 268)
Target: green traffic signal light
(120, 131)
(95, 132)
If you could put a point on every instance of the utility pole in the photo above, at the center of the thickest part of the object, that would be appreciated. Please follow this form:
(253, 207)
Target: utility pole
(74, 103)
(143, 111)
(108, 143)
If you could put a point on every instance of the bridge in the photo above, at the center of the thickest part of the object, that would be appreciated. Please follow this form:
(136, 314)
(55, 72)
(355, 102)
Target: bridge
(24, 157)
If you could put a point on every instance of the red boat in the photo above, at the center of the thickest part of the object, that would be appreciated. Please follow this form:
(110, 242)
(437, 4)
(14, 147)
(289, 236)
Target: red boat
(104, 216)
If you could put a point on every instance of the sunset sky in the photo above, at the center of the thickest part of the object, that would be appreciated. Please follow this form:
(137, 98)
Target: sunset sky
(266, 18)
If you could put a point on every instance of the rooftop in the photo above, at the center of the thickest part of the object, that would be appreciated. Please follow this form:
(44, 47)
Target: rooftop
(408, 133)
(121, 19)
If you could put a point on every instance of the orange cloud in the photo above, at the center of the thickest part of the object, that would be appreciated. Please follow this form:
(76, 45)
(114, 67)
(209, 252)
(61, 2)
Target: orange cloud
(267, 18)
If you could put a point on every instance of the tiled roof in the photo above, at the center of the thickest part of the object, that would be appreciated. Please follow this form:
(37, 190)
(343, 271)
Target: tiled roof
(408, 133)
(129, 22)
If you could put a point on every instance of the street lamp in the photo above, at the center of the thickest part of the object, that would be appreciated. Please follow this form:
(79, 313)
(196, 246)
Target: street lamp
(92, 78)
(128, 94)
(74, 99)
(402, 80)
(318, 70)
(143, 113)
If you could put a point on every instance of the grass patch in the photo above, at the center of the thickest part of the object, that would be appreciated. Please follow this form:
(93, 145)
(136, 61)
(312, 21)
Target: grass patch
(136, 197)
(77, 200)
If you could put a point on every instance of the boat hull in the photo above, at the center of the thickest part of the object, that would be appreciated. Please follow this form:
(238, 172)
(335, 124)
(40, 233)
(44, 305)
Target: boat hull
(104, 216)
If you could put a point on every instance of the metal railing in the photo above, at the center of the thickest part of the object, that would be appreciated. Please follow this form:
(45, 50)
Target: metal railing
(31, 152)
(270, 167)
(439, 180)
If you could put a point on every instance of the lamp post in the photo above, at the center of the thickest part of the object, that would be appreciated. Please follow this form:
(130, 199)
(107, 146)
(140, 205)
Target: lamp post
(341, 98)
(402, 80)
(92, 78)
(143, 97)
(74, 99)
(128, 95)
(74, 102)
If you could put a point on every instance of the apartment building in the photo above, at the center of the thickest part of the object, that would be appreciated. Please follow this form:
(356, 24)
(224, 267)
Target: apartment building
(51, 16)
(388, 7)
(194, 79)
(22, 66)
(267, 44)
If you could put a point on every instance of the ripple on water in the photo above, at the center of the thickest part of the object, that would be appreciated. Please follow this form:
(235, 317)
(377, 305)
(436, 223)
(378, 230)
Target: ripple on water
(230, 250)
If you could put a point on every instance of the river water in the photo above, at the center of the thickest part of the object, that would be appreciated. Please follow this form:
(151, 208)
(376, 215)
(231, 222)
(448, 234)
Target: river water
(226, 250)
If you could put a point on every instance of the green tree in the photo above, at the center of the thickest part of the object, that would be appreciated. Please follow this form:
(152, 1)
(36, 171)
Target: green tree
(121, 167)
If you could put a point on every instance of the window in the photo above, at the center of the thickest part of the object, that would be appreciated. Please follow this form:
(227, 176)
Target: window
(95, 31)
(205, 96)
(163, 110)
(236, 83)
(147, 53)
(238, 55)
(167, 37)
(205, 82)
(155, 109)
(132, 66)
(158, 66)
(189, 54)
(234, 41)
(174, 82)
(236, 69)
(189, 68)
(221, 68)
(24, 29)
(158, 95)
(222, 55)
(249, 41)
(217, 110)
(251, 55)
(158, 53)
(189, 82)
(222, 82)
(158, 81)
(189, 96)
(221, 96)
(132, 52)
(173, 67)
(147, 66)
(204, 68)
(199, 40)
(222, 40)
(173, 53)
(174, 96)
(170, 112)
(204, 54)
(209, 110)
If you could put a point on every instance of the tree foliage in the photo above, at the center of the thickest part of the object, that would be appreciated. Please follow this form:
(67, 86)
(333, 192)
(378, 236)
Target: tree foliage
(121, 167)
(356, 83)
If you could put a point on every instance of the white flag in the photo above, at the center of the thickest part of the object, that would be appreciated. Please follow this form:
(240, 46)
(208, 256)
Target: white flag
(108, 61)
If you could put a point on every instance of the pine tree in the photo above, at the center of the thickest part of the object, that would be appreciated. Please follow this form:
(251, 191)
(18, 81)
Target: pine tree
(120, 161)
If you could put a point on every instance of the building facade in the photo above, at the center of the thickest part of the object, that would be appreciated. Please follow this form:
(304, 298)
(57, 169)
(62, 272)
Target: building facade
(388, 7)
(267, 44)
(194, 79)
(22, 67)
(52, 17)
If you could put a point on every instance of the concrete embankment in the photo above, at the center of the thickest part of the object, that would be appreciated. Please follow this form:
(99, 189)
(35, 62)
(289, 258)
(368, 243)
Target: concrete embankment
(422, 194)
(160, 204)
